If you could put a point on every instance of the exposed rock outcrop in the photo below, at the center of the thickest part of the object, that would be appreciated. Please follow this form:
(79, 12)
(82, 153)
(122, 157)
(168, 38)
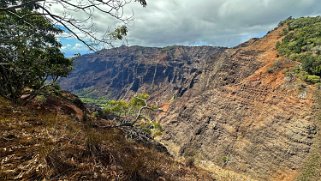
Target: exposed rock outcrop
(247, 120)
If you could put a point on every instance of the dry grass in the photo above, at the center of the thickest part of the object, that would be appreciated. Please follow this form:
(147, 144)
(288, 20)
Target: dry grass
(39, 144)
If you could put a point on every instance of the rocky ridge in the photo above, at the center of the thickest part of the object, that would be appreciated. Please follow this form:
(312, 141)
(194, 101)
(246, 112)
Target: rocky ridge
(123, 71)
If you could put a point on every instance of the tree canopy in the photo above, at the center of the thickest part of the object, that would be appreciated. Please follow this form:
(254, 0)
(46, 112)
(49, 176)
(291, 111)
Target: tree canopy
(30, 53)
(77, 17)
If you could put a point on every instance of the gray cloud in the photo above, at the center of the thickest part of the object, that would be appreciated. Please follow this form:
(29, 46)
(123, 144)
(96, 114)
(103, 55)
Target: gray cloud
(206, 22)
(213, 22)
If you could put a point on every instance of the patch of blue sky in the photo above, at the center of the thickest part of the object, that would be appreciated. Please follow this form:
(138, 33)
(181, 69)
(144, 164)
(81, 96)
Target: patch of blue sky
(71, 46)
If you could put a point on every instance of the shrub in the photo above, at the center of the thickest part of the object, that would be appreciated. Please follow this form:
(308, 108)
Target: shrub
(312, 79)
(277, 65)
(301, 42)
(118, 108)
(225, 159)
(189, 162)
(135, 111)
(40, 99)
(152, 128)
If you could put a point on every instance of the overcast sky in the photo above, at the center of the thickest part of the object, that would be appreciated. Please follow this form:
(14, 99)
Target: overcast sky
(203, 22)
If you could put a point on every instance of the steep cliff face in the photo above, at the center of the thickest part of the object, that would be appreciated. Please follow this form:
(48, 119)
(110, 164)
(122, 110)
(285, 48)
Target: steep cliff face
(120, 72)
(226, 108)
(248, 119)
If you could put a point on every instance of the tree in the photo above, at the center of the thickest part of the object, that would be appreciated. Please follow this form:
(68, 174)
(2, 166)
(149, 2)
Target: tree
(75, 15)
(132, 110)
(135, 112)
(29, 51)
(29, 54)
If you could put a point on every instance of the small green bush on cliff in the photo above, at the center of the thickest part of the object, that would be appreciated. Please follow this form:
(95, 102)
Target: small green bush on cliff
(127, 108)
(275, 67)
(312, 79)
(135, 111)
(119, 108)
(152, 128)
(101, 101)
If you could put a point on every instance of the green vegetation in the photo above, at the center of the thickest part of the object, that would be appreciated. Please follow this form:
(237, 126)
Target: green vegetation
(312, 79)
(29, 54)
(152, 128)
(101, 101)
(135, 111)
(40, 99)
(302, 42)
(88, 96)
(303, 75)
(124, 108)
(277, 65)
(225, 159)
(88, 93)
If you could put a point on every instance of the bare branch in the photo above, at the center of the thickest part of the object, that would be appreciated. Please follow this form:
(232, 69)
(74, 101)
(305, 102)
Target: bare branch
(63, 22)
(81, 27)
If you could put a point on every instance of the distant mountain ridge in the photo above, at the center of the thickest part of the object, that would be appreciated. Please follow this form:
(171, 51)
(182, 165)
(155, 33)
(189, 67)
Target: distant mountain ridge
(120, 72)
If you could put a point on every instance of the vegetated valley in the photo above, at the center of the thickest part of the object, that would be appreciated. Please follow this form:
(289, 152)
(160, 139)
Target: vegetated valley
(251, 112)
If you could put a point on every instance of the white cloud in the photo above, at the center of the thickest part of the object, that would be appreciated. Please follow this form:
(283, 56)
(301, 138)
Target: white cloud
(66, 47)
(213, 22)
(78, 47)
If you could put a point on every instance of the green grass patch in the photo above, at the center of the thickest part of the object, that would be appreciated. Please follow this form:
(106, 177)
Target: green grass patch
(101, 101)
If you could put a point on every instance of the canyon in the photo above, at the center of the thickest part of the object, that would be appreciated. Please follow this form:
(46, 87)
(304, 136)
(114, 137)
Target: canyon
(222, 107)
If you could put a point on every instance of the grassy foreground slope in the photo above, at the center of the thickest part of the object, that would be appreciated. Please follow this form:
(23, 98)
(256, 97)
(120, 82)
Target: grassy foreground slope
(54, 139)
